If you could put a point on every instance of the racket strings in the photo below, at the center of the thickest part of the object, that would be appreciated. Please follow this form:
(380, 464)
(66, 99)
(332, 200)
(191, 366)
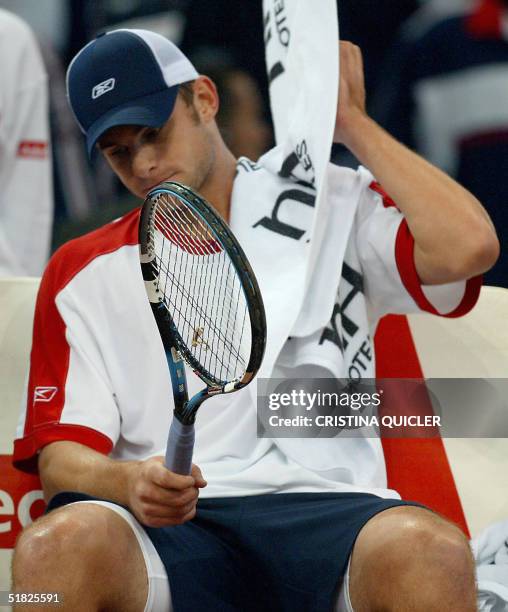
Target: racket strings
(185, 229)
(227, 342)
(191, 301)
(183, 240)
(219, 346)
(196, 235)
(162, 224)
(201, 290)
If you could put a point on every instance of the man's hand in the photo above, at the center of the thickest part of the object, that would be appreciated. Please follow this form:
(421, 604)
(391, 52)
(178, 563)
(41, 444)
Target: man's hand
(159, 497)
(155, 495)
(351, 105)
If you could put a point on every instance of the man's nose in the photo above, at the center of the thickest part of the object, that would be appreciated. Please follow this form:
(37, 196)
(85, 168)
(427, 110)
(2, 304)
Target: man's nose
(144, 163)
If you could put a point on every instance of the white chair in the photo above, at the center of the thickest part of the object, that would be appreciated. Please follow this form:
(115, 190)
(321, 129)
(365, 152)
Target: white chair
(474, 346)
(17, 491)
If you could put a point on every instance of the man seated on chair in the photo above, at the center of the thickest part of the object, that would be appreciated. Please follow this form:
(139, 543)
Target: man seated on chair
(266, 532)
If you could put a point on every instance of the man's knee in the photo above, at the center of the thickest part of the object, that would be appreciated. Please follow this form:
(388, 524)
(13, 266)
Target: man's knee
(408, 548)
(80, 533)
(53, 534)
(78, 546)
(407, 535)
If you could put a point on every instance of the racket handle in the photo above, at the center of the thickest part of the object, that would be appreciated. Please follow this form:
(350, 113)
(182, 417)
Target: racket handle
(180, 447)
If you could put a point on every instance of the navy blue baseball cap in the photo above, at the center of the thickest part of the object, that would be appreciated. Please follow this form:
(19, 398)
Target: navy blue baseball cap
(125, 77)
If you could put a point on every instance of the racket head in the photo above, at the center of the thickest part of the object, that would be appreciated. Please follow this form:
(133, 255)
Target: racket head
(202, 289)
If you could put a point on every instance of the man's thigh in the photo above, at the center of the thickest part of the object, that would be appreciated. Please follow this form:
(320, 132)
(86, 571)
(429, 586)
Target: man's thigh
(154, 590)
(204, 570)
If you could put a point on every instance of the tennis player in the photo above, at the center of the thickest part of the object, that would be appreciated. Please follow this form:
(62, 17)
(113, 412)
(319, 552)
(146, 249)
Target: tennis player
(267, 530)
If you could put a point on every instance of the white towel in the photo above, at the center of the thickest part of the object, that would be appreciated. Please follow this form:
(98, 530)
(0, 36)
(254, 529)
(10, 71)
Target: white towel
(302, 56)
(293, 211)
(280, 262)
(490, 550)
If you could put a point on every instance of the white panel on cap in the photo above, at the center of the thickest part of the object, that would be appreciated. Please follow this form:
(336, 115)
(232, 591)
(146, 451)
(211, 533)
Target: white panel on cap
(175, 67)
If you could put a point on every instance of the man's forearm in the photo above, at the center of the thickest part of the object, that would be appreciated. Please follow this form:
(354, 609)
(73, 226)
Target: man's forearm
(69, 466)
(156, 496)
(454, 237)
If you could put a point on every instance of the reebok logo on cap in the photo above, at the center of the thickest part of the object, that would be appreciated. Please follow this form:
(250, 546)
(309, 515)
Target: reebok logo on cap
(101, 88)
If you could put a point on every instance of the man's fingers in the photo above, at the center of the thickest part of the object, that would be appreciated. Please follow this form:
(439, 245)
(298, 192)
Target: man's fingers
(161, 476)
(154, 515)
(167, 512)
(198, 477)
(164, 497)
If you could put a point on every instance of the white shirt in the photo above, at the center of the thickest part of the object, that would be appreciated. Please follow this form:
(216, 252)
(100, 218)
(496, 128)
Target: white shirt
(99, 374)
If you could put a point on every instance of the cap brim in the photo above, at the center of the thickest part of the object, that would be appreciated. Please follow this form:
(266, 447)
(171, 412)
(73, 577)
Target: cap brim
(150, 111)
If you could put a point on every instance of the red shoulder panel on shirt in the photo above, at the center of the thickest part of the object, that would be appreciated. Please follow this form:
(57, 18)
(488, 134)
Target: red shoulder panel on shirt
(76, 254)
(49, 359)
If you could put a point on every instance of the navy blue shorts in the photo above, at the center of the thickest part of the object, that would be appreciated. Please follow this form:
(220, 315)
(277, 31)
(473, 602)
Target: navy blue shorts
(264, 553)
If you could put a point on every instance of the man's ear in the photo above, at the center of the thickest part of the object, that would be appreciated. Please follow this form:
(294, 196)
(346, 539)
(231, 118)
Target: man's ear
(206, 98)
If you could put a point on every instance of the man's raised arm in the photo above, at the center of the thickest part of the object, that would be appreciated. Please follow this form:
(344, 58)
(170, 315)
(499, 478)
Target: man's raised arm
(454, 236)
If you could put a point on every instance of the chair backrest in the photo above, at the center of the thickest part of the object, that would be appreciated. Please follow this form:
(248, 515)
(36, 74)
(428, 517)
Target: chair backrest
(20, 495)
(474, 346)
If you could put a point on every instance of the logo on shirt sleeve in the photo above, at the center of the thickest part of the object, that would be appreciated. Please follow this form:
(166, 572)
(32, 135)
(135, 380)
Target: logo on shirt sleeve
(44, 394)
(101, 88)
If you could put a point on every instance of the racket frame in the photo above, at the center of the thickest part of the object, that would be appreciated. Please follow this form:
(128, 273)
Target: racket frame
(175, 348)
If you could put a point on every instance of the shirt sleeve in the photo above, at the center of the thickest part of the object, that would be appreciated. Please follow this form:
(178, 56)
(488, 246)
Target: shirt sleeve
(68, 394)
(386, 250)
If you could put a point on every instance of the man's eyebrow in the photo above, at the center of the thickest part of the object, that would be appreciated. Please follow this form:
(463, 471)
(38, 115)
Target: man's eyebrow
(105, 143)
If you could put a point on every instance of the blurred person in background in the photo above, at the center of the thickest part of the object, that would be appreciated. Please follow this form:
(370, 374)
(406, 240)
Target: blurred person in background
(26, 203)
(232, 28)
(445, 94)
(430, 13)
(241, 117)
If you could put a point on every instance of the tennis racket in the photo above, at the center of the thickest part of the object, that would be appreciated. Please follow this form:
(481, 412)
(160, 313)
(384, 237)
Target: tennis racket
(206, 303)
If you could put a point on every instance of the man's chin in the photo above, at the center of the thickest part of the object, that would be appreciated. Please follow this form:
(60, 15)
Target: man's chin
(178, 177)
(183, 179)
